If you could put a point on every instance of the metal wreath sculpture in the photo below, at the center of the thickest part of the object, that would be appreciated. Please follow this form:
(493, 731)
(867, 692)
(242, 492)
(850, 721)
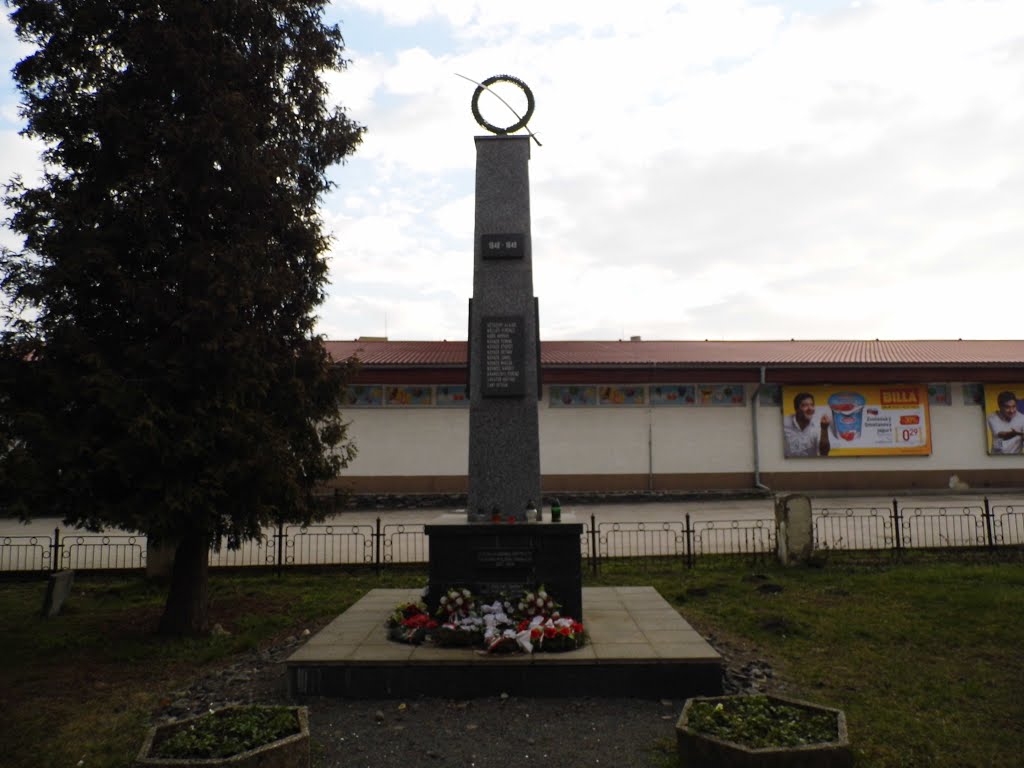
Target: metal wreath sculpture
(485, 85)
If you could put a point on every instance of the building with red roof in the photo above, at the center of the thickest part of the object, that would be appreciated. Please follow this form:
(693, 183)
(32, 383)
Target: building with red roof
(699, 415)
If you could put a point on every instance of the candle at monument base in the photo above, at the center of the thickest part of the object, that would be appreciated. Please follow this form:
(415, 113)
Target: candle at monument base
(533, 511)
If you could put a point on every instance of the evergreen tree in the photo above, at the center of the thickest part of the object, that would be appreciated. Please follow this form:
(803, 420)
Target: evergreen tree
(159, 360)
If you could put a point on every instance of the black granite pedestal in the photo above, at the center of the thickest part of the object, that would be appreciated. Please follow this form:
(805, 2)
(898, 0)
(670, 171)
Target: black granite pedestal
(496, 559)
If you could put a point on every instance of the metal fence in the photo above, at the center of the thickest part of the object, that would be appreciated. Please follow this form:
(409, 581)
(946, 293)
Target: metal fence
(654, 544)
(659, 543)
(85, 552)
(895, 527)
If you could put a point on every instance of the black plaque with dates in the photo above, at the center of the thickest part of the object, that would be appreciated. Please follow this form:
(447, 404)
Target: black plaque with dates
(506, 246)
(503, 359)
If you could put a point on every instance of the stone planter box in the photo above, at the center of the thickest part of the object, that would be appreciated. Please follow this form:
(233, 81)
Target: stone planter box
(699, 750)
(289, 752)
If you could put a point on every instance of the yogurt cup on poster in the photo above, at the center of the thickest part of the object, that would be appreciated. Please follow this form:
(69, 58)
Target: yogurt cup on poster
(847, 415)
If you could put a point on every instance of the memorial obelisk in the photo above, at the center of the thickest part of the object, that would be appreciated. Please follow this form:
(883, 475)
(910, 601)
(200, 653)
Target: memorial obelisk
(497, 550)
(504, 442)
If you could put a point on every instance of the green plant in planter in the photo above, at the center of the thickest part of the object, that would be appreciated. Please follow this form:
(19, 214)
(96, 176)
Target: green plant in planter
(764, 731)
(229, 732)
(757, 721)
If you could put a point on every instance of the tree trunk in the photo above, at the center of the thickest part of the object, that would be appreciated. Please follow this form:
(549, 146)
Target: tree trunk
(187, 608)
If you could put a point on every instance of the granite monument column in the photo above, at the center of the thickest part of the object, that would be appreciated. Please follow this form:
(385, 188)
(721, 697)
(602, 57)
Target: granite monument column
(504, 444)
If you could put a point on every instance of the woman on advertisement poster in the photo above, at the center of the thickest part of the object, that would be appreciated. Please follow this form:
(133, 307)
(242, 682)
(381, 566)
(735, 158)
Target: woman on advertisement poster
(804, 434)
(1006, 425)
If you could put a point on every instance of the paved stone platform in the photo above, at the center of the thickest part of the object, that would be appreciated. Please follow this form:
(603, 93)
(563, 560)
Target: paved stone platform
(638, 645)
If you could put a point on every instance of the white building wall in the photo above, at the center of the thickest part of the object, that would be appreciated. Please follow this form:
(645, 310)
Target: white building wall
(409, 441)
(689, 440)
(640, 439)
(959, 437)
(593, 440)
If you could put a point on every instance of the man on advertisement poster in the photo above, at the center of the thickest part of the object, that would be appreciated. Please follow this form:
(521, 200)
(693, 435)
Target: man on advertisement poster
(1006, 425)
(804, 434)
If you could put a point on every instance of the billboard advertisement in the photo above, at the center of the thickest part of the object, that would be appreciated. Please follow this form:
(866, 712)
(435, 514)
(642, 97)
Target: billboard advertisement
(856, 420)
(1004, 423)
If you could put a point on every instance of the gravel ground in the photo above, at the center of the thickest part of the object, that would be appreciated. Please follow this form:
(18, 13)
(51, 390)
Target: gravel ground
(492, 732)
(495, 731)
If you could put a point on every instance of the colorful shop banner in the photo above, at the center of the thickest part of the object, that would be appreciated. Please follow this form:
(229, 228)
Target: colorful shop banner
(409, 396)
(856, 420)
(673, 394)
(362, 396)
(452, 396)
(1004, 422)
(572, 396)
(622, 395)
(720, 394)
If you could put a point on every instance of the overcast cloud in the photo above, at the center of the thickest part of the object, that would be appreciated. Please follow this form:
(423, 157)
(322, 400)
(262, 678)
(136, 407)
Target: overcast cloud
(714, 169)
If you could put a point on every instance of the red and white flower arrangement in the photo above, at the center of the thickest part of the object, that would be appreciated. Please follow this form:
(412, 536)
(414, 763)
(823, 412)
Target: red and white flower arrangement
(466, 631)
(410, 623)
(556, 635)
(456, 604)
(461, 625)
(537, 603)
(500, 632)
(529, 624)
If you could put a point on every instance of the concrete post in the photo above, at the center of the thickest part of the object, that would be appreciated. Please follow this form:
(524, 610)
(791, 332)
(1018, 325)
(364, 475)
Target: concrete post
(794, 531)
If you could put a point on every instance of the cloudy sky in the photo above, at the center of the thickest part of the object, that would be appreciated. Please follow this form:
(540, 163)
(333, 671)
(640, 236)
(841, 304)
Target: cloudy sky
(720, 169)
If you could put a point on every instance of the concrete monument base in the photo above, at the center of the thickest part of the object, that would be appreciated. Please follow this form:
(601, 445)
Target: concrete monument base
(637, 646)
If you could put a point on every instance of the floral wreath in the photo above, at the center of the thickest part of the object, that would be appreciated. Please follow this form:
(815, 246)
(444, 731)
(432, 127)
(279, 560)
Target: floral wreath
(503, 79)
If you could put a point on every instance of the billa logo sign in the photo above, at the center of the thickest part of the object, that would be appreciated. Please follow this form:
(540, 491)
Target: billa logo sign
(899, 398)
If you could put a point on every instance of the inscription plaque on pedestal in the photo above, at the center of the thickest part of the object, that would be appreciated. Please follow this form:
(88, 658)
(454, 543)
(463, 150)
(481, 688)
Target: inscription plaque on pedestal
(503, 358)
(504, 558)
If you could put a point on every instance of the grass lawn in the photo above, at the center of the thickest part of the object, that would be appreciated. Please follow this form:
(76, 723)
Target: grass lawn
(925, 656)
(82, 686)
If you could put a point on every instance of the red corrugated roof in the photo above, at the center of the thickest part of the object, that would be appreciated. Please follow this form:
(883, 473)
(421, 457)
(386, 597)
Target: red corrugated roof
(641, 353)
(400, 353)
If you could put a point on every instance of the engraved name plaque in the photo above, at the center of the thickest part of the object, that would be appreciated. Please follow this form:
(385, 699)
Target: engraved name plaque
(503, 359)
